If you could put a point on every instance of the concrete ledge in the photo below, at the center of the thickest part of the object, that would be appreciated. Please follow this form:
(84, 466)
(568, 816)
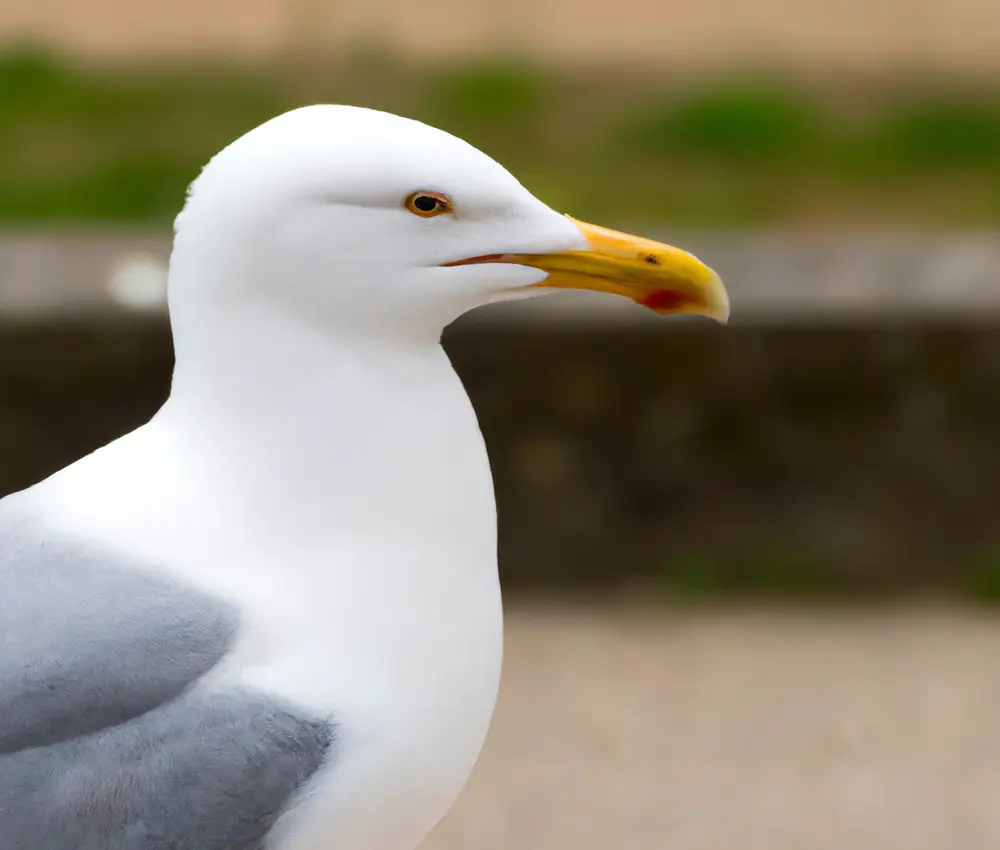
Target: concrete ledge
(772, 277)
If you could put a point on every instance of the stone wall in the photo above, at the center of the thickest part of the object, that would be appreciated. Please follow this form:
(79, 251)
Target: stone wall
(791, 458)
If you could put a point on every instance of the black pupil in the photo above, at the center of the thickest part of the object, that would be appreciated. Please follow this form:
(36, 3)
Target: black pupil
(425, 203)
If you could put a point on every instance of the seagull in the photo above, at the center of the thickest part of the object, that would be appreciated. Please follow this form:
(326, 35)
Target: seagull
(269, 618)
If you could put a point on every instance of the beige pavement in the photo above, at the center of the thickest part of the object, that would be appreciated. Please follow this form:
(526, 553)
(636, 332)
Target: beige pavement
(846, 35)
(874, 729)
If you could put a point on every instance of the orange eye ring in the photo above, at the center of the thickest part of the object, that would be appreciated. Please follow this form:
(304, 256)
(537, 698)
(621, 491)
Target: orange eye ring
(428, 204)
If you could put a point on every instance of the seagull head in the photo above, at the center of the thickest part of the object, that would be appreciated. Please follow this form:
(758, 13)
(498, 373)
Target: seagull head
(367, 222)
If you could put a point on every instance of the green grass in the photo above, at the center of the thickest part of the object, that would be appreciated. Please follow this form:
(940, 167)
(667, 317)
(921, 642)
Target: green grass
(779, 575)
(982, 581)
(773, 575)
(121, 144)
(943, 134)
(739, 123)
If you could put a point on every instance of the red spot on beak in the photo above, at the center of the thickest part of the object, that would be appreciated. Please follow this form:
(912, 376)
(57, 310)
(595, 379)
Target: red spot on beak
(664, 299)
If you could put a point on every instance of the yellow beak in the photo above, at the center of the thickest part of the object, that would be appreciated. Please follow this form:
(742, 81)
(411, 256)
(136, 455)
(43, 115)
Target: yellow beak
(665, 279)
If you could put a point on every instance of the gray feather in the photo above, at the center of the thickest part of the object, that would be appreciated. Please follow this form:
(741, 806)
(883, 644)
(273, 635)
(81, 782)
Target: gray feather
(107, 741)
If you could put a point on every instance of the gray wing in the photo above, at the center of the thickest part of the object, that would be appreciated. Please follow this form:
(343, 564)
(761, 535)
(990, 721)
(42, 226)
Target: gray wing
(106, 741)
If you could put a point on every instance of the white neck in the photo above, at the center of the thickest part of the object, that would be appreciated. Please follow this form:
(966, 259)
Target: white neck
(314, 418)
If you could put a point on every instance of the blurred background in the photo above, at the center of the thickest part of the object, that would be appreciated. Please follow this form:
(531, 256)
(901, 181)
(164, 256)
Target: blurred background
(751, 572)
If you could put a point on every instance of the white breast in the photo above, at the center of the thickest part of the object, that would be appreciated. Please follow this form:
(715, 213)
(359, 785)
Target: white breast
(394, 629)
(412, 695)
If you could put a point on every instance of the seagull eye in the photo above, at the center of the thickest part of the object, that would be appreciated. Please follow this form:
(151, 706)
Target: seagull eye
(428, 204)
